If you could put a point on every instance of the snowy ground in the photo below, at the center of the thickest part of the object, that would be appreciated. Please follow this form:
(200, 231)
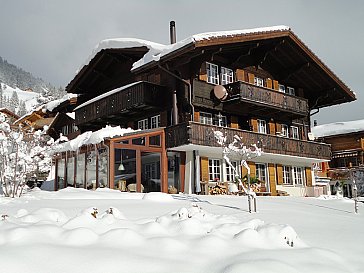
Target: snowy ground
(55, 232)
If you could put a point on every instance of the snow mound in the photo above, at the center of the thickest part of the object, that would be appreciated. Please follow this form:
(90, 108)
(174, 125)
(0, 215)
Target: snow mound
(158, 197)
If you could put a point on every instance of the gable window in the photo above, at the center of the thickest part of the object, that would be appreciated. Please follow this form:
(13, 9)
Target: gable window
(155, 122)
(287, 175)
(206, 118)
(282, 88)
(214, 170)
(143, 124)
(290, 91)
(295, 132)
(262, 126)
(227, 75)
(258, 81)
(230, 176)
(297, 175)
(212, 73)
(285, 130)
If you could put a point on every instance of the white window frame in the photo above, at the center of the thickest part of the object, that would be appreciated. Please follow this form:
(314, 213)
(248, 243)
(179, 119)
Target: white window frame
(230, 176)
(155, 121)
(220, 120)
(285, 130)
(227, 75)
(212, 71)
(214, 169)
(143, 124)
(206, 118)
(287, 175)
(259, 81)
(298, 175)
(262, 126)
(261, 172)
(295, 132)
(65, 130)
(290, 91)
(282, 88)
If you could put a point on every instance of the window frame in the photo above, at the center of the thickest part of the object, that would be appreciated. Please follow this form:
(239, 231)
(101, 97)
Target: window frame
(229, 171)
(295, 132)
(290, 91)
(212, 72)
(287, 175)
(227, 75)
(155, 121)
(143, 124)
(298, 175)
(258, 81)
(285, 130)
(214, 169)
(262, 126)
(206, 118)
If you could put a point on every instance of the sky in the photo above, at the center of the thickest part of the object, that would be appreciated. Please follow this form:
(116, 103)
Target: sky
(51, 39)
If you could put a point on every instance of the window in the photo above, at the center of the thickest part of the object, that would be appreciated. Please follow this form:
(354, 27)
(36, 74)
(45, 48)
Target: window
(227, 75)
(259, 81)
(285, 131)
(262, 126)
(282, 88)
(143, 124)
(205, 118)
(295, 132)
(230, 176)
(65, 130)
(212, 73)
(74, 128)
(214, 169)
(297, 175)
(290, 91)
(155, 122)
(220, 120)
(287, 175)
(261, 172)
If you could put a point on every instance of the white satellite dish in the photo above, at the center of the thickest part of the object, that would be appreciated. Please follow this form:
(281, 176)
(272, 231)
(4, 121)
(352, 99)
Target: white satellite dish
(220, 92)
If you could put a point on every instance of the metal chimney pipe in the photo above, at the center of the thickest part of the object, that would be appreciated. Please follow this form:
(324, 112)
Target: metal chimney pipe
(172, 31)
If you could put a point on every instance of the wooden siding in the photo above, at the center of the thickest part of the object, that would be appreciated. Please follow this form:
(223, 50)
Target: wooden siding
(204, 167)
(202, 134)
(279, 174)
(138, 96)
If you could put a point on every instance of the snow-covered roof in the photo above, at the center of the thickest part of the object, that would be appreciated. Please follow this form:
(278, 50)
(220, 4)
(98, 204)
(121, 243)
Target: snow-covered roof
(106, 95)
(338, 128)
(156, 50)
(90, 138)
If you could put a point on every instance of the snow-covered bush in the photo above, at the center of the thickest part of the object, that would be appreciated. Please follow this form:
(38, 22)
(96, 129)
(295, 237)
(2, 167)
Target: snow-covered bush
(22, 156)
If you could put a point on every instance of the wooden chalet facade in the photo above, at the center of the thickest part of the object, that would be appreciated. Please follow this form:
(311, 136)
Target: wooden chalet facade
(272, 82)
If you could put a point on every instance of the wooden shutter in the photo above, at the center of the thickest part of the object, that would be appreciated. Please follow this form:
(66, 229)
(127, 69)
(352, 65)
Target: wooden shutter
(203, 73)
(272, 128)
(244, 171)
(254, 125)
(308, 177)
(269, 83)
(196, 116)
(275, 85)
(251, 78)
(272, 178)
(234, 122)
(240, 76)
(279, 174)
(278, 127)
(164, 119)
(252, 169)
(204, 168)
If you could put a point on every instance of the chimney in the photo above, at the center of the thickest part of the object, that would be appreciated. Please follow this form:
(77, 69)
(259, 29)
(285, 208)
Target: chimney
(172, 31)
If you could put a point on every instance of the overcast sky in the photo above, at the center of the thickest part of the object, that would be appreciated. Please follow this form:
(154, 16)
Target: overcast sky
(51, 39)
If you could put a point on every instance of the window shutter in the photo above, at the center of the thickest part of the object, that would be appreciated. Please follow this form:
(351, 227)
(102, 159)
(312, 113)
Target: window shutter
(251, 78)
(275, 85)
(203, 72)
(308, 177)
(254, 125)
(272, 128)
(269, 83)
(252, 169)
(279, 174)
(240, 76)
(234, 122)
(272, 178)
(196, 116)
(204, 166)
(279, 127)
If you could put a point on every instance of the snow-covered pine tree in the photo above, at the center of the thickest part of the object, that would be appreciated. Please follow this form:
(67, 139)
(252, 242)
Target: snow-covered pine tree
(22, 108)
(22, 156)
(14, 102)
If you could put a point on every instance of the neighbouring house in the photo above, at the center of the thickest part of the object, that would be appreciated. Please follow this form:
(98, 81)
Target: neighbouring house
(12, 117)
(261, 84)
(347, 163)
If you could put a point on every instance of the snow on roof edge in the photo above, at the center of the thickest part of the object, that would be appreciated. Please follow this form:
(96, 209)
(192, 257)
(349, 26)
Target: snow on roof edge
(338, 128)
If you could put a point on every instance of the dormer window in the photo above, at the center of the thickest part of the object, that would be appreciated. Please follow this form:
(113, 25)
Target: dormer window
(259, 81)
(212, 73)
(227, 75)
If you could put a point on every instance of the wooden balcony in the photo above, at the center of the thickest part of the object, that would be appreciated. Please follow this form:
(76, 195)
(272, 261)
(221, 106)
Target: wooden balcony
(202, 134)
(252, 99)
(129, 102)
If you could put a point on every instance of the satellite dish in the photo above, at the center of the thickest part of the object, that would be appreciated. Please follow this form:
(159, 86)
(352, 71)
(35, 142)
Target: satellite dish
(220, 92)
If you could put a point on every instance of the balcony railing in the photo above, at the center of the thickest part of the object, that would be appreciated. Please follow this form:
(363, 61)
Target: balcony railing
(141, 96)
(271, 98)
(202, 134)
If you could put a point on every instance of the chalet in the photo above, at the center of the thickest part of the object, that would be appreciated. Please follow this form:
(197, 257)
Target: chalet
(261, 84)
(347, 163)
